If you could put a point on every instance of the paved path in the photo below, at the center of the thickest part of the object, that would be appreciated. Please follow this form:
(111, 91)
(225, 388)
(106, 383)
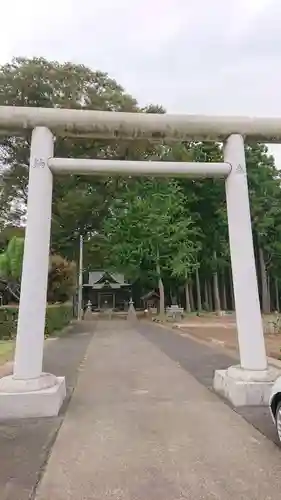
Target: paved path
(25, 444)
(201, 359)
(140, 427)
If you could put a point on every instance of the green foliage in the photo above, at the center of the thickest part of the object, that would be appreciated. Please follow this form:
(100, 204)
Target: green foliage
(8, 232)
(265, 195)
(38, 82)
(57, 317)
(146, 227)
(61, 275)
(11, 259)
(4, 265)
(150, 225)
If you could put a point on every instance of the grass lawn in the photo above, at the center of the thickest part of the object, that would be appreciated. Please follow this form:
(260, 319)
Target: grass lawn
(6, 350)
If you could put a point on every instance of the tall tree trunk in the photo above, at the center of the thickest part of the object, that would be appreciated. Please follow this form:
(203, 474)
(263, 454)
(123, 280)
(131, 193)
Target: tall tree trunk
(198, 291)
(187, 298)
(231, 290)
(174, 299)
(210, 296)
(216, 293)
(276, 295)
(224, 299)
(206, 298)
(268, 293)
(264, 287)
(161, 291)
(191, 297)
(216, 289)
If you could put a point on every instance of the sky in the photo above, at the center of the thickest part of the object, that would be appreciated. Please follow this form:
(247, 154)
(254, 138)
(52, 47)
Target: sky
(217, 57)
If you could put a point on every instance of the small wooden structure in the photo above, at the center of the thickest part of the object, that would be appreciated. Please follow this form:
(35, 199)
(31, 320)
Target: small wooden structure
(151, 300)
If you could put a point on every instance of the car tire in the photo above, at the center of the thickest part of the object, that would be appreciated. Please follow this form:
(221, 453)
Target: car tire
(278, 421)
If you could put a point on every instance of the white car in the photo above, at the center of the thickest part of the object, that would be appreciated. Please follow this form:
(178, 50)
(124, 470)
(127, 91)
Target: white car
(275, 406)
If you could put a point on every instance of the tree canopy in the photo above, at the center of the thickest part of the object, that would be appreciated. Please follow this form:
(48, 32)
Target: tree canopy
(150, 226)
(169, 235)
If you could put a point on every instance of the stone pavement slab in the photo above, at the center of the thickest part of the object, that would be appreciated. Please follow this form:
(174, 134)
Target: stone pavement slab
(25, 444)
(140, 427)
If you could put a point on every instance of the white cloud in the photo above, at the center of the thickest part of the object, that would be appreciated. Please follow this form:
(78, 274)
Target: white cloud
(192, 56)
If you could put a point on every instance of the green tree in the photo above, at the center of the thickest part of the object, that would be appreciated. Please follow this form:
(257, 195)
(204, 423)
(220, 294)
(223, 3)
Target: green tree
(206, 202)
(11, 259)
(81, 204)
(149, 225)
(61, 276)
(11, 267)
(8, 232)
(78, 202)
(265, 196)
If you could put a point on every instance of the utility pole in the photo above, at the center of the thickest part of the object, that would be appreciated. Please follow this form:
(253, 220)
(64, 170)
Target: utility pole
(80, 281)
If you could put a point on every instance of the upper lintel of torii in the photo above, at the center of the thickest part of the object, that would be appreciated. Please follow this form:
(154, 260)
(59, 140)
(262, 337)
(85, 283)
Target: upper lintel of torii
(155, 127)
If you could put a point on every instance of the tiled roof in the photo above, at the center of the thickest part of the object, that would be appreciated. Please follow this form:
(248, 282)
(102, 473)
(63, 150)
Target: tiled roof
(96, 276)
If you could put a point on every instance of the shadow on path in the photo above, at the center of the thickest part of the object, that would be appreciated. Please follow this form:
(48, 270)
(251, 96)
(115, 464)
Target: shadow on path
(201, 360)
(25, 444)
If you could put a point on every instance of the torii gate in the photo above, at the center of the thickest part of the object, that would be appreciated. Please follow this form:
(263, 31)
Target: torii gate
(31, 393)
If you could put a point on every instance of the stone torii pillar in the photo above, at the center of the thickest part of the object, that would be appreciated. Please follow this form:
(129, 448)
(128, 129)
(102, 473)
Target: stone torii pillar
(250, 382)
(29, 392)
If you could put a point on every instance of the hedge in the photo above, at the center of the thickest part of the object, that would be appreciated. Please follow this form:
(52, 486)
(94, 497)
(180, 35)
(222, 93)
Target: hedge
(57, 317)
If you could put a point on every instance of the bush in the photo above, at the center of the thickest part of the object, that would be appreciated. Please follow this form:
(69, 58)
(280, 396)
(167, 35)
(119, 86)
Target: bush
(57, 317)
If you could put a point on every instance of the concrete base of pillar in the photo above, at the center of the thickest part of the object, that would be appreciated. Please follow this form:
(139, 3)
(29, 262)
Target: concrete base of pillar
(39, 399)
(245, 387)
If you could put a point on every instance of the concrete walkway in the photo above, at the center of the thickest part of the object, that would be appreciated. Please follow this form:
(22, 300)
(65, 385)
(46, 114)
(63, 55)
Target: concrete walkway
(139, 427)
(25, 443)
